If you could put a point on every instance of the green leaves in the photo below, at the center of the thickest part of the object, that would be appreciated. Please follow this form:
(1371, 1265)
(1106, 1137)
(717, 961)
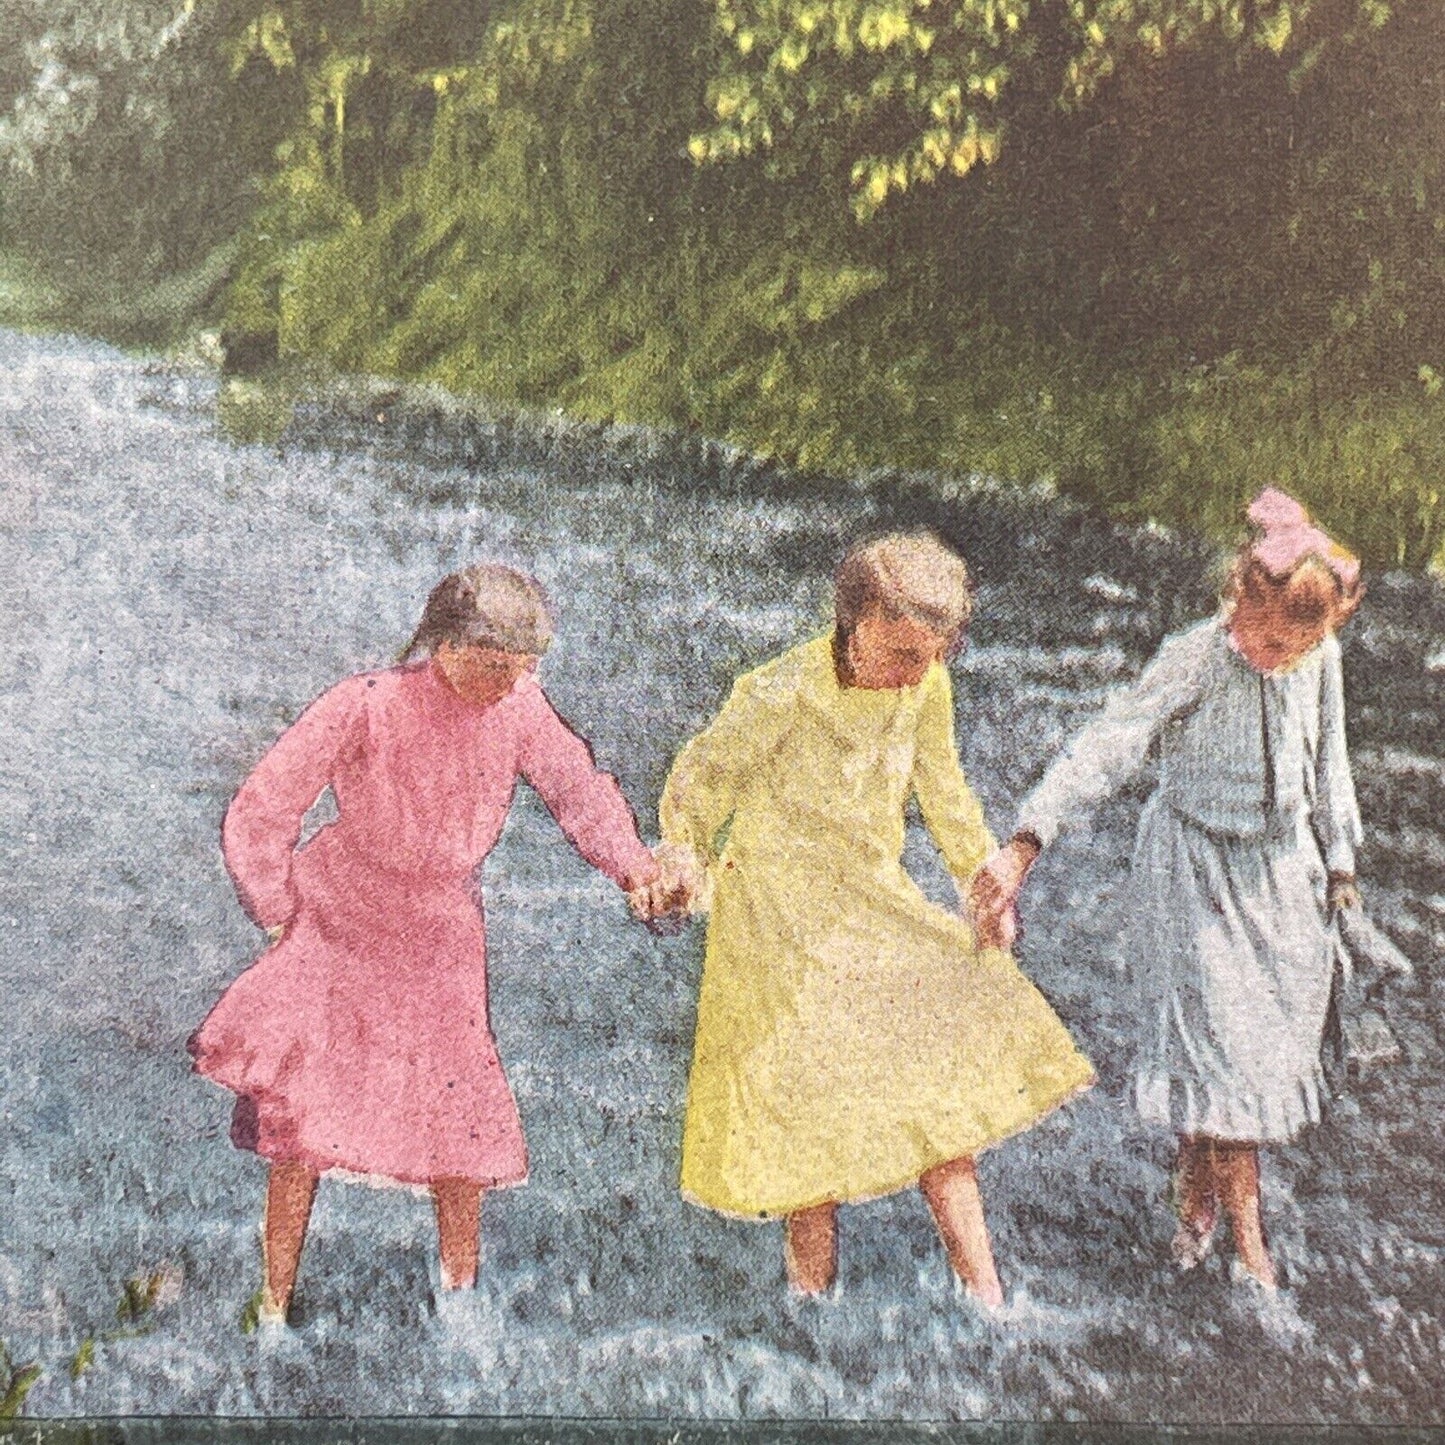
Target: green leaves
(141, 1298)
(250, 1317)
(83, 1358)
(142, 1294)
(646, 213)
(930, 74)
(847, 66)
(16, 1382)
(265, 35)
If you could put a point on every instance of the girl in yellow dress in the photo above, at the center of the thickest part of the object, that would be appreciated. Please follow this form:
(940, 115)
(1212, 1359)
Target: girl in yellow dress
(852, 1037)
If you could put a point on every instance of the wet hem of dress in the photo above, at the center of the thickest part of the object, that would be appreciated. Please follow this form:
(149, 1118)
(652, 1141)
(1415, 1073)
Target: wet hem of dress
(766, 1214)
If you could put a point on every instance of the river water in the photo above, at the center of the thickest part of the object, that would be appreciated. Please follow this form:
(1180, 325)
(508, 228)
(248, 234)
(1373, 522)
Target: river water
(171, 598)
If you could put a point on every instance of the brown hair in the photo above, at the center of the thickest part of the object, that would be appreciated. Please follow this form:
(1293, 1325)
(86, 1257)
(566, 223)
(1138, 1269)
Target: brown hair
(905, 574)
(485, 605)
(1311, 593)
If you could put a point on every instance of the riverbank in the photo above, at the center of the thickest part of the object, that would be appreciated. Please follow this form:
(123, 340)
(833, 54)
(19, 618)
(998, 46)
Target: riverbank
(1174, 446)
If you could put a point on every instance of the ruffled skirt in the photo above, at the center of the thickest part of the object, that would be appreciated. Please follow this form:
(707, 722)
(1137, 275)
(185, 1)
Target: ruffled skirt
(1234, 965)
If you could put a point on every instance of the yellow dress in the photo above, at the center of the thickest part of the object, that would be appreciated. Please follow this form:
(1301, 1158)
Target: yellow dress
(849, 1034)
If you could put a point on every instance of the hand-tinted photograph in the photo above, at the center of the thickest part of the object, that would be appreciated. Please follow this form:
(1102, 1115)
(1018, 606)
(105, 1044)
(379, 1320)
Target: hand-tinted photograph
(722, 714)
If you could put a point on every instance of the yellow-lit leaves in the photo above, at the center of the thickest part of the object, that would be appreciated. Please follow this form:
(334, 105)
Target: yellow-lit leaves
(444, 80)
(1274, 29)
(935, 67)
(265, 35)
(930, 72)
(1109, 29)
(940, 150)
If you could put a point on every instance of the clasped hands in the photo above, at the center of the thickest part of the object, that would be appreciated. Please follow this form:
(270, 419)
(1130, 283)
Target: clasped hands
(674, 889)
(677, 885)
(993, 894)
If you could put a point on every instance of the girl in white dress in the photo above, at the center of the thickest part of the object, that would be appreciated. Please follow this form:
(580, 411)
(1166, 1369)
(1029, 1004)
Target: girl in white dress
(1243, 851)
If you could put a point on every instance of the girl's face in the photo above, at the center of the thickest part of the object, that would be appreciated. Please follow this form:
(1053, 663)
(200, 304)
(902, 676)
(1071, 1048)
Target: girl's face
(482, 675)
(1270, 636)
(886, 652)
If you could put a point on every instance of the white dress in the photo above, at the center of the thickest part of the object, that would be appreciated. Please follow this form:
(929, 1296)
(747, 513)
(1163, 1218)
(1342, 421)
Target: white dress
(1228, 935)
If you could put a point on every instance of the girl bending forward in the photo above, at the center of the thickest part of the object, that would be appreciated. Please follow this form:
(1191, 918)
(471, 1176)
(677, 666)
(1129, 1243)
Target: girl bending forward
(852, 1038)
(360, 1040)
(1247, 843)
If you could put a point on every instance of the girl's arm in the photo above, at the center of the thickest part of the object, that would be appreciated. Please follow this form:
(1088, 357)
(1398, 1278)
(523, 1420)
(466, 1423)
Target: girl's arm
(1112, 747)
(705, 782)
(586, 802)
(263, 823)
(951, 812)
(1336, 813)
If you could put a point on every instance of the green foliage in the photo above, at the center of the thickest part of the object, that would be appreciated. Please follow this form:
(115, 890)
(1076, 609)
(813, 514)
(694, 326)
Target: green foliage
(909, 90)
(139, 1297)
(249, 1320)
(142, 1298)
(16, 1382)
(27, 297)
(1372, 468)
(1152, 252)
(83, 1358)
(126, 157)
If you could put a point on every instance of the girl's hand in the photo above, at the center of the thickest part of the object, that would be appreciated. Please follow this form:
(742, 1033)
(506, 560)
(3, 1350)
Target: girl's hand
(643, 891)
(674, 887)
(997, 885)
(1342, 892)
(999, 930)
(993, 894)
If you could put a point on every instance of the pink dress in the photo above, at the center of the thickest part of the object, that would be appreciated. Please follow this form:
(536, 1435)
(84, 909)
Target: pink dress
(361, 1040)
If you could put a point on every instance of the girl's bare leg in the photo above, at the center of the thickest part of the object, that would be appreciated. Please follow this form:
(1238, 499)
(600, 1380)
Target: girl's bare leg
(459, 1215)
(1195, 1200)
(289, 1193)
(1195, 1196)
(951, 1190)
(810, 1248)
(1236, 1173)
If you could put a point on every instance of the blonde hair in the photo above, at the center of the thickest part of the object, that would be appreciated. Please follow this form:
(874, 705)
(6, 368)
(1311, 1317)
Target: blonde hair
(485, 605)
(905, 574)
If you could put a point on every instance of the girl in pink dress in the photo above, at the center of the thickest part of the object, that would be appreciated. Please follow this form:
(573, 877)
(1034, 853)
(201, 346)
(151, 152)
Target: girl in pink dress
(360, 1040)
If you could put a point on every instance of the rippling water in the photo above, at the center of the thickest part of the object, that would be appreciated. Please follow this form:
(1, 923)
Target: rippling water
(171, 599)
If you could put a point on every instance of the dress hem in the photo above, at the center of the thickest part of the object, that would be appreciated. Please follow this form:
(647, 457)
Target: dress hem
(355, 1171)
(764, 1213)
(379, 1179)
(1157, 1100)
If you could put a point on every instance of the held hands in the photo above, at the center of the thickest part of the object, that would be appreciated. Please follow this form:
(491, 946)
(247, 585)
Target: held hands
(993, 894)
(673, 889)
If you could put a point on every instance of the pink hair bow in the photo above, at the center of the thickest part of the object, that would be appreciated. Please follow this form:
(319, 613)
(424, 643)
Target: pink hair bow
(1287, 537)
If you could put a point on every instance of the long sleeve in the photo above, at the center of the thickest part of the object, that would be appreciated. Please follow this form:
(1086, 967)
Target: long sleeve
(703, 787)
(1113, 746)
(951, 812)
(586, 802)
(1336, 812)
(263, 823)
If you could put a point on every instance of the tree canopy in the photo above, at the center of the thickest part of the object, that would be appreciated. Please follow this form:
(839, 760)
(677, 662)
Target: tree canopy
(1155, 251)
